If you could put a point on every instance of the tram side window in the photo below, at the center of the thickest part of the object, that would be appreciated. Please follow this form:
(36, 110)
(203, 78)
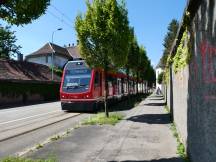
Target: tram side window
(97, 79)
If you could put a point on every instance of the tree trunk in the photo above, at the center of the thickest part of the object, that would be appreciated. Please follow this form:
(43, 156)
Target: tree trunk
(137, 82)
(128, 81)
(105, 93)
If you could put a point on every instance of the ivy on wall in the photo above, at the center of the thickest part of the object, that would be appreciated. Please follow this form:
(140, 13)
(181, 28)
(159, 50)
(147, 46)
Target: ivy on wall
(183, 55)
(166, 75)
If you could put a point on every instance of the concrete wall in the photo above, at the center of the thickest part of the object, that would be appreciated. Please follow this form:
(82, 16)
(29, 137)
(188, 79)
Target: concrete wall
(202, 85)
(194, 87)
(180, 93)
(168, 97)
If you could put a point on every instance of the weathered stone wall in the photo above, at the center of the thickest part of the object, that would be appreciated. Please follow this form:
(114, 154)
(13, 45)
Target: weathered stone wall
(202, 85)
(180, 87)
(168, 94)
(194, 87)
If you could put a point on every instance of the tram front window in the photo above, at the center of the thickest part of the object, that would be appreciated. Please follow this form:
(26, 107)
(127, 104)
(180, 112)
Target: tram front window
(77, 80)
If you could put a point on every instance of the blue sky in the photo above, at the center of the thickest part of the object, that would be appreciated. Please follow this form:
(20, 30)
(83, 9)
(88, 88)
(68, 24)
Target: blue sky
(149, 18)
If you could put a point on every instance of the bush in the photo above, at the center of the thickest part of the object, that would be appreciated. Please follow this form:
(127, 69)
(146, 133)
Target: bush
(49, 90)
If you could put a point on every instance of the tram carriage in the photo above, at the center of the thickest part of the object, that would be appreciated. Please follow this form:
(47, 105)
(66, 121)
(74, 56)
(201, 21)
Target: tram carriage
(82, 88)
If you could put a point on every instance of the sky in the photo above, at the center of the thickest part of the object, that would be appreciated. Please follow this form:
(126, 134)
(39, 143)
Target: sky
(150, 19)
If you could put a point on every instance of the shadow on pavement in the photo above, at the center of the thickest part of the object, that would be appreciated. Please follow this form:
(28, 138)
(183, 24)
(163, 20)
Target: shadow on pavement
(159, 160)
(151, 118)
(156, 98)
(155, 104)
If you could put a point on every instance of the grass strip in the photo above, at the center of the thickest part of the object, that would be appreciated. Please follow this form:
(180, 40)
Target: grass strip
(18, 159)
(101, 119)
(181, 151)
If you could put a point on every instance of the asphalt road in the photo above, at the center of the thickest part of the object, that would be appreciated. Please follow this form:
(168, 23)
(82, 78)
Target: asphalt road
(143, 136)
(23, 127)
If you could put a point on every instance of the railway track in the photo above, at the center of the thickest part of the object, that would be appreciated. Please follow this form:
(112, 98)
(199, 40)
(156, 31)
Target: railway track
(24, 127)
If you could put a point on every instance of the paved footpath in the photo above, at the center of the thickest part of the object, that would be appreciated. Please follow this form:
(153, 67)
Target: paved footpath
(144, 136)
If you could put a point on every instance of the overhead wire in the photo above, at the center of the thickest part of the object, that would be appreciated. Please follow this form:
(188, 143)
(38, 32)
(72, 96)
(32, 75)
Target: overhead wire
(63, 14)
(60, 19)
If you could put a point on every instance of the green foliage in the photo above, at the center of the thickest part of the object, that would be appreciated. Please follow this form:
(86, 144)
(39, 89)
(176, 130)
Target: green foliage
(186, 20)
(7, 43)
(104, 36)
(20, 12)
(103, 33)
(167, 70)
(49, 91)
(57, 71)
(182, 56)
(160, 78)
(18, 159)
(167, 109)
(180, 148)
(55, 138)
(39, 146)
(143, 62)
(149, 74)
(133, 55)
(168, 40)
(138, 62)
(101, 119)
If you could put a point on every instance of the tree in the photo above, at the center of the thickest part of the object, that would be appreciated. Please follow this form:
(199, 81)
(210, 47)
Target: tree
(169, 39)
(20, 12)
(138, 63)
(160, 78)
(149, 73)
(143, 62)
(7, 43)
(133, 55)
(103, 34)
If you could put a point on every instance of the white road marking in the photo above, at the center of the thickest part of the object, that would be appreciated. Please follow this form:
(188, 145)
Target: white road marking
(29, 117)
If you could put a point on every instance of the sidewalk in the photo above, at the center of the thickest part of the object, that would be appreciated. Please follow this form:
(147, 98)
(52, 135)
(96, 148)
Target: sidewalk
(144, 136)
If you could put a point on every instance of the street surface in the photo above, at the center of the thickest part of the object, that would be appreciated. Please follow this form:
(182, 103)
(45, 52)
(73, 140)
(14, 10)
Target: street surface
(23, 127)
(144, 135)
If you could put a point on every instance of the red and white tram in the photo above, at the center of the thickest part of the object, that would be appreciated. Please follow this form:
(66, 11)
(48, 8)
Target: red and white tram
(82, 88)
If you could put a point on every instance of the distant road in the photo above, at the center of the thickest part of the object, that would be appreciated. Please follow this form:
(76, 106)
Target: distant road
(25, 126)
(19, 120)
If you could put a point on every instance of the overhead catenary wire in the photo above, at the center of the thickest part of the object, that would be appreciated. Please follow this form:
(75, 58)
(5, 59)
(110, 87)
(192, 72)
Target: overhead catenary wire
(60, 19)
(63, 14)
